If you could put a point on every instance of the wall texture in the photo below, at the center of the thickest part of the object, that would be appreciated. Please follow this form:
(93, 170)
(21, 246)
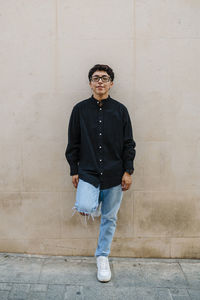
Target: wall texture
(46, 50)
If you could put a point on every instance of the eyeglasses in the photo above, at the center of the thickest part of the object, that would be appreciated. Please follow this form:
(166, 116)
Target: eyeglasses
(103, 78)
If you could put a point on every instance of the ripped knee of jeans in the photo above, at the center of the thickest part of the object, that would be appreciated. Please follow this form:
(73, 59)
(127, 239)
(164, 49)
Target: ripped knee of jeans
(87, 214)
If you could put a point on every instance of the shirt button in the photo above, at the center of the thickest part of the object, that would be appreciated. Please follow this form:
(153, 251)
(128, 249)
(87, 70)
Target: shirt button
(100, 108)
(100, 160)
(97, 101)
(101, 173)
(99, 120)
(100, 147)
(100, 133)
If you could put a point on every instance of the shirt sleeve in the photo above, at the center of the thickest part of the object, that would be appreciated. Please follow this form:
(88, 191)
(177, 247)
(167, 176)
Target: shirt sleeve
(128, 142)
(72, 152)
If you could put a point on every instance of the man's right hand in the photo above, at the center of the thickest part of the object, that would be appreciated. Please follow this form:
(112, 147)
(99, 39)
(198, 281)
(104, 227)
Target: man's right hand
(75, 179)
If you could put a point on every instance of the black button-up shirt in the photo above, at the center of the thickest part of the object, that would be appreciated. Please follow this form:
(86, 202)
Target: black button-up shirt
(100, 141)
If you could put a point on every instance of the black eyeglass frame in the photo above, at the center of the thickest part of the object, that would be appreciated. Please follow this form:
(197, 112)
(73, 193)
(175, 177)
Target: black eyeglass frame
(100, 77)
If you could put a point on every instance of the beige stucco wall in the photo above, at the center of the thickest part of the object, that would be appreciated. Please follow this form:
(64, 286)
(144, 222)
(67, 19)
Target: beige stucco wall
(46, 50)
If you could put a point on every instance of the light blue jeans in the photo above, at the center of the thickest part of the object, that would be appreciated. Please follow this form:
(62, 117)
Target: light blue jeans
(88, 199)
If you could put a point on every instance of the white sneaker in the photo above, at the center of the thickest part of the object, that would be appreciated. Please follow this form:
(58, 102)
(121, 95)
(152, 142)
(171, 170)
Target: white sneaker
(103, 273)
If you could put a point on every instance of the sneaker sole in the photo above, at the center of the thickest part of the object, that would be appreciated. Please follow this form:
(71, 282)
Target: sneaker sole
(103, 280)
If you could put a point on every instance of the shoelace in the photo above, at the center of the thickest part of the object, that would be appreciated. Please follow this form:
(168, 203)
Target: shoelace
(104, 264)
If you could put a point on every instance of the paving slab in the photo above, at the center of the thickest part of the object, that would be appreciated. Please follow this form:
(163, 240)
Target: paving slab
(21, 269)
(19, 291)
(75, 272)
(56, 292)
(192, 273)
(194, 294)
(39, 277)
(37, 296)
(74, 292)
(4, 295)
(144, 293)
(157, 274)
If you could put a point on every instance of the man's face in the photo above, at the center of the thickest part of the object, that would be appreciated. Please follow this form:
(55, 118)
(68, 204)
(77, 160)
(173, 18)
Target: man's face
(102, 86)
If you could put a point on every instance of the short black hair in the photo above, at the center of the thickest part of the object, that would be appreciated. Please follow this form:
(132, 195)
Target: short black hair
(100, 67)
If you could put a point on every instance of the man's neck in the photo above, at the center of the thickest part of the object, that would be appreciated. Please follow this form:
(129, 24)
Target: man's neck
(99, 98)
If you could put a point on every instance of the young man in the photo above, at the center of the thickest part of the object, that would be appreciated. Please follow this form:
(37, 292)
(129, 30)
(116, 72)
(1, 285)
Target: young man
(100, 152)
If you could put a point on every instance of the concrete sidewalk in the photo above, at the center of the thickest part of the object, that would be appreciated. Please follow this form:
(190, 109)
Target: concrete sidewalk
(63, 277)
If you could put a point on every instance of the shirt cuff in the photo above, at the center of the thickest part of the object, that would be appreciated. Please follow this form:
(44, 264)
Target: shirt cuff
(128, 165)
(73, 170)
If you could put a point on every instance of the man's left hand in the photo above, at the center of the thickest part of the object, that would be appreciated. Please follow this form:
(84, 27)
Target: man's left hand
(126, 181)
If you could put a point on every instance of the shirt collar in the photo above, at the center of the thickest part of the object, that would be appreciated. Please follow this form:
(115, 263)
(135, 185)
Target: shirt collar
(98, 102)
